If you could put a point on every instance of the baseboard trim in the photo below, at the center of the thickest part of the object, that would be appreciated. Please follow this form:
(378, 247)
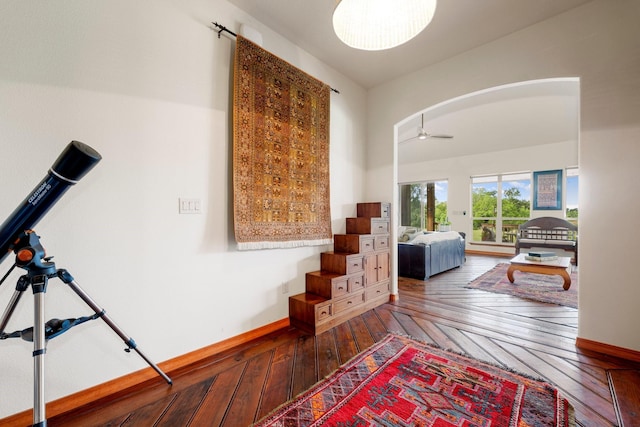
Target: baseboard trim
(487, 253)
(611, 350)
(139, 379)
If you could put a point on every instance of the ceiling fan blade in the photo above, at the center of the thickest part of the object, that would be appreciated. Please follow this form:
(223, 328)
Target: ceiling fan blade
(422, 134)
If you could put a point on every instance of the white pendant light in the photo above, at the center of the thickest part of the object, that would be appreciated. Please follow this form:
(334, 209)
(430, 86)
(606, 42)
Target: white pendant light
(381, 24)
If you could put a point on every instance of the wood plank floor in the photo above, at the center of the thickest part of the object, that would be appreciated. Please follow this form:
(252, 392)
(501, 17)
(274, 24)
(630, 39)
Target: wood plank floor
(240, 386)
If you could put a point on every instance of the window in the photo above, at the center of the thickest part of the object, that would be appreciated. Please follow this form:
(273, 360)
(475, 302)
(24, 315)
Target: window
(424, 205)
(571, 211)
(499, 204)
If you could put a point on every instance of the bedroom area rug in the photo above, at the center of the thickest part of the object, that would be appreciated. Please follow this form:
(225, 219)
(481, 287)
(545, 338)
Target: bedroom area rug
(403, 382)
(536, 287)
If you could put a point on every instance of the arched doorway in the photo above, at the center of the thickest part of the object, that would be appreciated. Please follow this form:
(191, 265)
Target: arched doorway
(512, 128)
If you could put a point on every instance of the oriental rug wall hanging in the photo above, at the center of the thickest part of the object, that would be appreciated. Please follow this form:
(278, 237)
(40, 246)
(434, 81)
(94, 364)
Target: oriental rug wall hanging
(280, 153)
(402, 382)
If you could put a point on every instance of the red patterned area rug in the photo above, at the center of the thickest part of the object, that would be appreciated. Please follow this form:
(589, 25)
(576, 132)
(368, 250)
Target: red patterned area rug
(402, 382)
(536, 287)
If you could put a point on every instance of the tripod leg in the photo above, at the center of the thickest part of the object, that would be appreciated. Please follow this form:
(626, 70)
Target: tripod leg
(66, 277)
(39, 285)
(23, 284)
(39, 349)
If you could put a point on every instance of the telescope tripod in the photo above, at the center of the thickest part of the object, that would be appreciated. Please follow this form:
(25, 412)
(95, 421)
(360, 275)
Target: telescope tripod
(30, 256)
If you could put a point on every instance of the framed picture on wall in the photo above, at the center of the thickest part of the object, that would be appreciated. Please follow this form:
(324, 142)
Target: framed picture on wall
(547, 190)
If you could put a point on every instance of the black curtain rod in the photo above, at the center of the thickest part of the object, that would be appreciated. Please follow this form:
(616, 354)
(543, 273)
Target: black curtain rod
(222, 28)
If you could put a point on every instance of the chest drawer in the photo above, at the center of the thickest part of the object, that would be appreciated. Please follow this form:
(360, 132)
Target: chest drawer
(341, 263)
(374, 210)
(353, 243)
(310, 308)
(356, 283)
(323, 311)
(327, 285)
(351, 301)
(367, 226)
(381, 243)
(377, 291)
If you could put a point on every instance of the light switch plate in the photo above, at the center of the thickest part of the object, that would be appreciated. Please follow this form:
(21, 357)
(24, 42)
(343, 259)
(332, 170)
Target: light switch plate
(189, 206)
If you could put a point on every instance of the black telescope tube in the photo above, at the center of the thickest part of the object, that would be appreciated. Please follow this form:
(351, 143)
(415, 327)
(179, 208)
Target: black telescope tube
(75, 161)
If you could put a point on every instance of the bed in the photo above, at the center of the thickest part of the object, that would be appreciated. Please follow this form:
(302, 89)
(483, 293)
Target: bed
(424, 255)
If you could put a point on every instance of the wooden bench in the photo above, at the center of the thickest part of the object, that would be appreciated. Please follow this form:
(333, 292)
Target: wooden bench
(549, 233)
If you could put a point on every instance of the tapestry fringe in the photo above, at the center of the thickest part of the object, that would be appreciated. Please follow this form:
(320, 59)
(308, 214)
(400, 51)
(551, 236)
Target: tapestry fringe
(248, 246)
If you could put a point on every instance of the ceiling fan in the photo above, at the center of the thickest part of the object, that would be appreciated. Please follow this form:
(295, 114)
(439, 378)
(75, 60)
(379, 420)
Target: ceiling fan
(423, 134)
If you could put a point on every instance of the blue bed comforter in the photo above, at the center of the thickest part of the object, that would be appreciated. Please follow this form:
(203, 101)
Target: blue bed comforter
(421, 261)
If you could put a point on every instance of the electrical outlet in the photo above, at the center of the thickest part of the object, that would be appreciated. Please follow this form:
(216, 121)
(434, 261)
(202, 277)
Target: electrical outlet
(285, 287)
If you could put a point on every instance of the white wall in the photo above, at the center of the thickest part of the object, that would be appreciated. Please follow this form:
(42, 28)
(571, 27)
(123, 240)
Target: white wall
(457, 171)
(147, 84)
(599, 43)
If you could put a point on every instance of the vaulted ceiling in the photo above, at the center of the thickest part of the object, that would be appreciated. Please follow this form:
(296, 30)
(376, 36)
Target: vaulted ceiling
(513, 117)
(504, 118)
(457, 26)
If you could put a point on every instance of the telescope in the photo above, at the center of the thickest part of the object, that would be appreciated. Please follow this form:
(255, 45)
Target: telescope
(75, 161)
(16, 235)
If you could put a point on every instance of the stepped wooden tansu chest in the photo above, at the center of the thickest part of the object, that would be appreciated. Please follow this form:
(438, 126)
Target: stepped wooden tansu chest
(353, 278)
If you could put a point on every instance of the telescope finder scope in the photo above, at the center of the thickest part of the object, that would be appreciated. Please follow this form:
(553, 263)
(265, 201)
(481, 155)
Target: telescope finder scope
(75, 161)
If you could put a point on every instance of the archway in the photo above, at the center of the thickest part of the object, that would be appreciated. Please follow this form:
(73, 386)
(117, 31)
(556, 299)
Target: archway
(525, 117)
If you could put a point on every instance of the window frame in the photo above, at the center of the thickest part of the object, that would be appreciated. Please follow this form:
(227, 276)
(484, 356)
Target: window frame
(570, 174)
(498, 220)
(423, 201)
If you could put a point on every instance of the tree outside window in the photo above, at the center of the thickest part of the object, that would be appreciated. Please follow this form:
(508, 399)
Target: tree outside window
(516, 204)
(424, 205)
(484, 207)
(502, 202)
(499, 204)
(571, 210)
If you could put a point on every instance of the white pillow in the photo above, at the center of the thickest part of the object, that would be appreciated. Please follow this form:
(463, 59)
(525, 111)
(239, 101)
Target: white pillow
(426, 239)
(406, 237)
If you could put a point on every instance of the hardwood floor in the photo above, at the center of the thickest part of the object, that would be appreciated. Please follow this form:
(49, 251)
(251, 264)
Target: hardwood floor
(237, 387)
